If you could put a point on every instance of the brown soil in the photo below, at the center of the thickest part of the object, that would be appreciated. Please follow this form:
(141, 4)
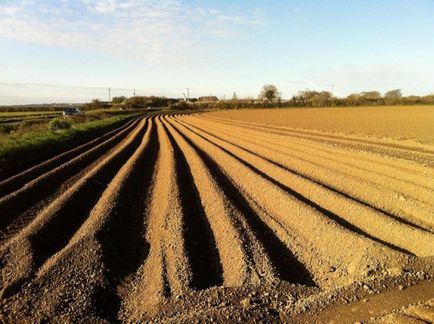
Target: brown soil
(403, 123)
(178, 218)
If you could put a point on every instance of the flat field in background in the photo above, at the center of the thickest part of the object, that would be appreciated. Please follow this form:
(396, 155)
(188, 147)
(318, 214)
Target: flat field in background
(397, 122)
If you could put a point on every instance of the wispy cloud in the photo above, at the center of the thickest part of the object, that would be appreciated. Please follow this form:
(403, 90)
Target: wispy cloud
(157, 31)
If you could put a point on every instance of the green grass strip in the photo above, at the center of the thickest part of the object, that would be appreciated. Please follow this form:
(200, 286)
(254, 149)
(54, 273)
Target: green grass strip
(20, 142)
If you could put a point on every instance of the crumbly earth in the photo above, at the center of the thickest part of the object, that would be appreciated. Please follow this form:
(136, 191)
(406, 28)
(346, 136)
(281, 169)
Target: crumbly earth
(401, 123)
(206, 217)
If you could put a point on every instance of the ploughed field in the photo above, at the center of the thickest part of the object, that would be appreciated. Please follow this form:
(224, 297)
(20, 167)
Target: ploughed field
(205, 216)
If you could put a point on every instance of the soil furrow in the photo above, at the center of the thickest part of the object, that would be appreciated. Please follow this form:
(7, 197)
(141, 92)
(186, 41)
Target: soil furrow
(35, 190)
(39, 156)
(166, 271)
(309, 223)
(423, 227)
(361, 220)
(51, 230)
(15, 182)
(409, 166)
(117, 214)
(199, 239)
(399, 151)
(383, 175)
(392, 202)
(286, 265)
(246, 257)
(252, 147)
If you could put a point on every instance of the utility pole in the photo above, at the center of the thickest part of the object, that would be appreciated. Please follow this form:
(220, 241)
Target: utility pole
(134, 92)
(110, 94)
(188, 93)
(333, 89)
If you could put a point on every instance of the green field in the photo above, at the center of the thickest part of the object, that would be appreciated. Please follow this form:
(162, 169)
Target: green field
(9, 114)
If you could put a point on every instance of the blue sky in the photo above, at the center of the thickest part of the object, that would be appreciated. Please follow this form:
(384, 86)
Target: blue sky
(69, 50)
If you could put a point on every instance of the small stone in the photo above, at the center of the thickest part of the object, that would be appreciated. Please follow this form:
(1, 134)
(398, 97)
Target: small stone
(420, 275)
(246, 303)
(401, 287)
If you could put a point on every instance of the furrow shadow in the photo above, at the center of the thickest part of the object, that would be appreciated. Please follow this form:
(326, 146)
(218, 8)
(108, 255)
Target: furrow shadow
(198, 236)
(339, 220)
(319, 183)
(17, 181)
(55, 234)
(18, 203)
(122, 239)
(288, 267)
(408, 156)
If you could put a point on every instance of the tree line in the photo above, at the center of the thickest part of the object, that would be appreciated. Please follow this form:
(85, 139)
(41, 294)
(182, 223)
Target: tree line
(270, 97)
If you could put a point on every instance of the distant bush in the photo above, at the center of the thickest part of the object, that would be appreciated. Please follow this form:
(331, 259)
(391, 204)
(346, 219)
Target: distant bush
(183, 105)
(118, 100)
(151, 101)
(59, 123)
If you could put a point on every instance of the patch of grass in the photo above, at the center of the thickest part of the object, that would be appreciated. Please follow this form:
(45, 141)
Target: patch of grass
(20, 141)
(59, 123)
